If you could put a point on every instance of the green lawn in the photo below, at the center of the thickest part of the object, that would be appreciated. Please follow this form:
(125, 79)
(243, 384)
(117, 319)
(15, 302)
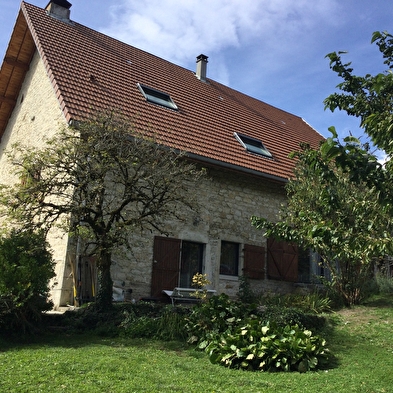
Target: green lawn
(362, 342)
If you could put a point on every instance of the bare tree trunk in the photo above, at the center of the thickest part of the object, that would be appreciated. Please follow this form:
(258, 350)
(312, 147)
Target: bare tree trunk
(105, 283)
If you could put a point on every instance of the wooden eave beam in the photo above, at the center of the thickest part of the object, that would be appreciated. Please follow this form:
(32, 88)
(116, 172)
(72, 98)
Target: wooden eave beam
(16, 63)
(7, 100)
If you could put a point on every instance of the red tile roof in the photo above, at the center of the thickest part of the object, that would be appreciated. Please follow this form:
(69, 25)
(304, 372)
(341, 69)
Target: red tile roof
(91, 71)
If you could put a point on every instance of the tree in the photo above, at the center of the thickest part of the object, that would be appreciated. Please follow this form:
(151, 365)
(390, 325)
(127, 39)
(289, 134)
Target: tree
(100, 181)
(368, 97)
(340, 202)
(341, 219)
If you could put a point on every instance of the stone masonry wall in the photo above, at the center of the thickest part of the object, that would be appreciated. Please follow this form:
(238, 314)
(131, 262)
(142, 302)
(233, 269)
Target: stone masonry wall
(227, 201)
(36, 117)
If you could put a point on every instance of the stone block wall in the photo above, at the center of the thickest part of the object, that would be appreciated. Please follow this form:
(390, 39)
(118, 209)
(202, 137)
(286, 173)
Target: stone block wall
(227, 200)
(36, 117)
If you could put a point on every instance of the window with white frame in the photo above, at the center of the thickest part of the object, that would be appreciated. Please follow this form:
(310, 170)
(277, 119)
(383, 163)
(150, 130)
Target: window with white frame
(253, 145)
(157, 97)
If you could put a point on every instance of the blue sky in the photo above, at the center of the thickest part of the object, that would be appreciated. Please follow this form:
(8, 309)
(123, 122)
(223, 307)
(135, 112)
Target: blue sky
(273, 50)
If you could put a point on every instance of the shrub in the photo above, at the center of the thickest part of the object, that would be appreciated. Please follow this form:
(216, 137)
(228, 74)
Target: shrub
(246, 294)
(139, 327)
(283, 316)
(167, 325)
(313, 302)
(384, 284)
(215, 316)
(261, 347)
(26, 266)
(171, 324)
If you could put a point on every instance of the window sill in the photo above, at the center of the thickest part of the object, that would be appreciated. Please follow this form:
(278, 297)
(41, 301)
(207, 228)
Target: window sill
(229, 278)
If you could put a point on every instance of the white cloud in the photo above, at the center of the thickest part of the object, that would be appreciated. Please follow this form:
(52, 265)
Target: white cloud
(180, 30)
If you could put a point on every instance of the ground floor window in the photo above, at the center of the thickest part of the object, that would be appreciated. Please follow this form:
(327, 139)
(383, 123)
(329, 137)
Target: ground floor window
(191, 262)
(312, 268)
(229, 260)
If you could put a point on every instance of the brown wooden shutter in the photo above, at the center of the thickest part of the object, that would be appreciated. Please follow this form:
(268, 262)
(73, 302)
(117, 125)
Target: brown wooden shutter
(282, 260)
(166, 262)
(254, 262)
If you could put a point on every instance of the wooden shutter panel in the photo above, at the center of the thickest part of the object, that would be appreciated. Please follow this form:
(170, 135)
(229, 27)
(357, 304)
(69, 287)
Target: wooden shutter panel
(282, 260)
(166, 262)
(254, 262)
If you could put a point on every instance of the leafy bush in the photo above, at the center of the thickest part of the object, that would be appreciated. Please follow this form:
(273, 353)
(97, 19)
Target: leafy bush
(261, 347)
(384, 284)
(26, 266)
(139, 327)
(313, 302)
(246, 294)
(283, 316)
(215, 316)
(167, 325)
(171, 324)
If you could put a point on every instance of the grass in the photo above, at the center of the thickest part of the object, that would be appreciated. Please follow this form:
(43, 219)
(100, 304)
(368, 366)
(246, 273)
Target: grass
(361, 341)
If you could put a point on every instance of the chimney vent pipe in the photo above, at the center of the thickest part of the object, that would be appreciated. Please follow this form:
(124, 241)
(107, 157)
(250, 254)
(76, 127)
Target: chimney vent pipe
(59, 9)
(201, 67)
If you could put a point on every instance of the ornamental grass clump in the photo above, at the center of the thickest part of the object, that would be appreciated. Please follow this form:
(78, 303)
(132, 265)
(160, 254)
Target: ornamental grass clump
(258, 347)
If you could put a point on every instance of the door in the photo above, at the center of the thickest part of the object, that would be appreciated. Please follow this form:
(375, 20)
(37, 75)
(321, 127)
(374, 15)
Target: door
(166, 262)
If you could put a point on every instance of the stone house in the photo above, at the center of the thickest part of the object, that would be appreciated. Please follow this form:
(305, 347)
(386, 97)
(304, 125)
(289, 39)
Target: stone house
(56, 71)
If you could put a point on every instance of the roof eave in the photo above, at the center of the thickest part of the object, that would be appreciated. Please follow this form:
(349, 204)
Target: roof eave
(237, 168)
(13, 70)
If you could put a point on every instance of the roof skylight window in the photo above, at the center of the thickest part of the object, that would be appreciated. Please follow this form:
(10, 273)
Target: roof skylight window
(253, 145)
(157, 97)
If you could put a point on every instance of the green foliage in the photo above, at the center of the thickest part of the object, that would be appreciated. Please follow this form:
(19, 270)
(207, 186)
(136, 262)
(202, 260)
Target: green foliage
(141, 327)
(314, 302)
(26, 266)
(215, 316)
(335, 214)
(168, 324)
(220, 314)
(259, 347)
(282, 316)
(384, 284)
(368, 97)
(171, 324)
(246, 294)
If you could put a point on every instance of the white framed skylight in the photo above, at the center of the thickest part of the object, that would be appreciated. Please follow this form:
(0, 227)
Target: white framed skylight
(157, 97)
(253, 145)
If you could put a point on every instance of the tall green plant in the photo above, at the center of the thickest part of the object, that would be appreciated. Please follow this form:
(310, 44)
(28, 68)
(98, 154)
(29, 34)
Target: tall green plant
(26, 266)
(214, 316)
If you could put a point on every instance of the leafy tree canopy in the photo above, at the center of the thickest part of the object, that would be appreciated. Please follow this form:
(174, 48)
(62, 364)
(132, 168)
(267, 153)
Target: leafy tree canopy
(368, 97)
(335, 216)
